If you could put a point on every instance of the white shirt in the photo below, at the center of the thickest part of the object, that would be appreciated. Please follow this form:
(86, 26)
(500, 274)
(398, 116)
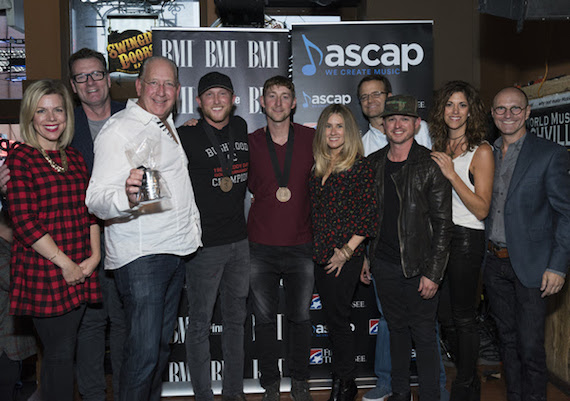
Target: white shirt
(461, 215)
(128, 234)
(375, 139)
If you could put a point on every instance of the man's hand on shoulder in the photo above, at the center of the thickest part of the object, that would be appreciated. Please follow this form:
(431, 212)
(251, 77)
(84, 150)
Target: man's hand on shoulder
(191, 123)
(427, 288)
(4, 178)
(551, 283)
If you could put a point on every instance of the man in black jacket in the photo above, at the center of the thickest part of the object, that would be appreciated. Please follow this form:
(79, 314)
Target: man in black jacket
(409, 255)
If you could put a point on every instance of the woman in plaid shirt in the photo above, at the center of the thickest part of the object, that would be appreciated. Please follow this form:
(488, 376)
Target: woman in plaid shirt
(56, 242)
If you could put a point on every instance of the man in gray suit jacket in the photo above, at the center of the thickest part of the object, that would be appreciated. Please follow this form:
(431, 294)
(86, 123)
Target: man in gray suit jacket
(528, 229)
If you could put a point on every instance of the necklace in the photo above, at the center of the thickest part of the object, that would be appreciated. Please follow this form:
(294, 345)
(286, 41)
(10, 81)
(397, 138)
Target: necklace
(454, 149)
(54, 165)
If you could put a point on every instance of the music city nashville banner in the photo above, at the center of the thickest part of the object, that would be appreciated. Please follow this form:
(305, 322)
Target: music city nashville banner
(550, 118)
(248, 56)
(330, 59)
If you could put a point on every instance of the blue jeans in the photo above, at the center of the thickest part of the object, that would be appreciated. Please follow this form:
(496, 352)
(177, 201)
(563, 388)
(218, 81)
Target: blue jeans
(150, 289)
(382, 360)
(222, 270)
(295, 265)
(519, 313)
(90, 358)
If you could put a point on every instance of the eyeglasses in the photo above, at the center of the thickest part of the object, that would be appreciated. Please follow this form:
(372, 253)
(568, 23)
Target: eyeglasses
(373, 95)
(168, 85)
(515, 110)
(95, 76)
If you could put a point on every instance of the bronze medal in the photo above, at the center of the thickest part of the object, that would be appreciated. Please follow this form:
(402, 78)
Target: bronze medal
(283, 194)
(226, 184)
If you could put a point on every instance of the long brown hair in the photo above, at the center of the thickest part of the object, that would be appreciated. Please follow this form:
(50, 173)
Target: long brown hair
(351, 149)
(476, 125)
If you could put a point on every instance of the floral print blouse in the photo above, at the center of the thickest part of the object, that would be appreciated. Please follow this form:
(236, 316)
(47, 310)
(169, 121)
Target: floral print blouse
(344, 206)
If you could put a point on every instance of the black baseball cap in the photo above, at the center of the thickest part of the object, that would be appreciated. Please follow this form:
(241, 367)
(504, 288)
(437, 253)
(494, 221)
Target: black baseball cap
(214, 80)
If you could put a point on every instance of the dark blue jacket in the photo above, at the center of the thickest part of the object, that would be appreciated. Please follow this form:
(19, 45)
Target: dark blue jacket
(82, 140)
(537, 211)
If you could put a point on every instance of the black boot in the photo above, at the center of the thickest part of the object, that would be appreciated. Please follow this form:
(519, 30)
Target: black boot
(335, 390)
(466, 391)
(348, 390)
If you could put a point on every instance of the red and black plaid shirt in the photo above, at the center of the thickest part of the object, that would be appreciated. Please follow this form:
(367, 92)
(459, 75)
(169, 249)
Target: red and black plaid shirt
(42, 201)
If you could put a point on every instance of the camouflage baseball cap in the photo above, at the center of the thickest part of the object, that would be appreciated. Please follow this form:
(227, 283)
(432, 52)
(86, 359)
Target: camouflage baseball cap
(404, 105)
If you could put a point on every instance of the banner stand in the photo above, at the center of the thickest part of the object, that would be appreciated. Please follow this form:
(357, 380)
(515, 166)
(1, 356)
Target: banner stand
(252, 386)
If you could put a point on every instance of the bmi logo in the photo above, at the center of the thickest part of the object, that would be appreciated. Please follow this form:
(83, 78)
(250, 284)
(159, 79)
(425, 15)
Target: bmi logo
(316, 357)
(316, 302)
(373, 326)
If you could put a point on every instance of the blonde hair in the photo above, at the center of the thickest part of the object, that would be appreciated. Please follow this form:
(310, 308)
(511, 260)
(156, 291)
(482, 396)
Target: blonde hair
(32, 97)
(351, 149)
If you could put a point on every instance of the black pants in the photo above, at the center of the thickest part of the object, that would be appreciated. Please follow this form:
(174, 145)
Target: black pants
(58, 336)
(458, 299)
(409, 317)
(336, 295)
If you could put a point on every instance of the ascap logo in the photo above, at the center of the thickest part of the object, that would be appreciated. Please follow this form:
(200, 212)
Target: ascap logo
(373, 326)
(324, 100)
(316, 302)
(320, 330)
(396, 57)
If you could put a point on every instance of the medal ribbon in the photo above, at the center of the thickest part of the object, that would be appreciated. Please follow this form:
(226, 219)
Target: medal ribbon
(282, 177)
(225, 163)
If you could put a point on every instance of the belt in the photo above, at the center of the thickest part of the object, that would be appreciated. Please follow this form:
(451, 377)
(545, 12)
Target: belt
(498, 251)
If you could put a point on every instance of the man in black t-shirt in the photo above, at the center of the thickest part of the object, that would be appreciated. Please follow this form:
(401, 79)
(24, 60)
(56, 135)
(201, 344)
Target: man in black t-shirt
(218, 156)
(409, 254)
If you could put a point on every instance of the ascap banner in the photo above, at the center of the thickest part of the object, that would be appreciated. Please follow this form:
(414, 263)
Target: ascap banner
(248, 56)
(550, 118)
(128, 49)
(329, 60)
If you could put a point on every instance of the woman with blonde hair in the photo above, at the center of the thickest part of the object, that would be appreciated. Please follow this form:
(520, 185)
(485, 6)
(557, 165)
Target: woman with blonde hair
(55, 247)
(344, 213)
(458, 128)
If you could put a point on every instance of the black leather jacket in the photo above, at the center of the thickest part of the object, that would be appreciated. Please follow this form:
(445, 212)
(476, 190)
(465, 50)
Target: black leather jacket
(424, 223)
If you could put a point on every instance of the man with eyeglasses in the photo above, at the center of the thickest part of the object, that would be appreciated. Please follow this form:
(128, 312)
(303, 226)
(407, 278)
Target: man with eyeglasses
(91, 82)
(373, 91)
(145, 242)
(528, 232)
(218, 153)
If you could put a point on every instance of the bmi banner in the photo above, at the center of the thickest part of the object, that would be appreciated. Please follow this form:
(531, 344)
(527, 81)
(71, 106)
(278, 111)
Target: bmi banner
(248, 56)
(550, 118)
(329, 60)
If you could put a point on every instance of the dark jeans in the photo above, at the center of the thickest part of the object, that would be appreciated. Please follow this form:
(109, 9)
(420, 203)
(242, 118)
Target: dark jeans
(458, 299)
(150, 289)
(58, 335)
(336, 295)
(90, 365)
(409, 317)
(294, 264)
(211, 271)
(519, 313)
